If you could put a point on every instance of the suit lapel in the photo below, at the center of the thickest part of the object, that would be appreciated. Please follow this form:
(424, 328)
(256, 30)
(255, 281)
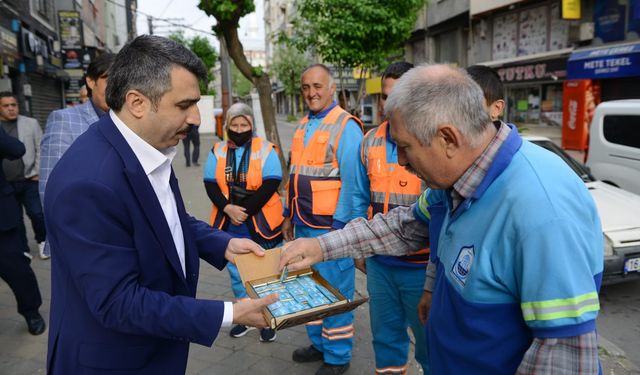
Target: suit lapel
(190, 248)
(144, 192)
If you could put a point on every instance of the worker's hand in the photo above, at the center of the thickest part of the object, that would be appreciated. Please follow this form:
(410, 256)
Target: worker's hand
(237, 214)
(424, 306)
(361, 265)
(287, 229)
(301, 254)
(239, 246)
(248, 312)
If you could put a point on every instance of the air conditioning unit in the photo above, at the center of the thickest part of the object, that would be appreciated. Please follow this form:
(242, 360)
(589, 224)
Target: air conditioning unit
(586, 31)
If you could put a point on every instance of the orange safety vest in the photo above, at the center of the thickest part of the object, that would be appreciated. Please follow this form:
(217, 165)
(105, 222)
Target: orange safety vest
(268, 221)
(391, 184)
(314, 183)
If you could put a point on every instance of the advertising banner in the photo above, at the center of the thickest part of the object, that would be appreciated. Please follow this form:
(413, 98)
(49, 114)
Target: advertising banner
(580, 99)
(71, 39)
(608, 17)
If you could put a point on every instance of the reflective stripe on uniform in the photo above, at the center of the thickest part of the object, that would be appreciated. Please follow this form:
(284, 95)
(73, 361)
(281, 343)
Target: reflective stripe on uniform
(339, 333)
(393, 369)
(560, 308)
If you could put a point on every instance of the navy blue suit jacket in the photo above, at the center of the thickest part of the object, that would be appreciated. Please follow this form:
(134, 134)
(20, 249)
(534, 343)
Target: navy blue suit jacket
(120, 303)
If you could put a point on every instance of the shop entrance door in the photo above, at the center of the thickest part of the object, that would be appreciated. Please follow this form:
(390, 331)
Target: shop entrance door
(524, 104)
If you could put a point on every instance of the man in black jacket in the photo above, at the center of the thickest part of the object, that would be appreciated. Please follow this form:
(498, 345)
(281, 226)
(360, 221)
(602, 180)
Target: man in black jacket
(14, 266)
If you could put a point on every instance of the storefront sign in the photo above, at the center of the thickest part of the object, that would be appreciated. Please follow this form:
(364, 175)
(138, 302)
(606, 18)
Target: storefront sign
(71, 39)
(608, 17)
(634, 16)
(542, 71)
(612, 62)
(9, 46)
(70, 29)
(571, 9)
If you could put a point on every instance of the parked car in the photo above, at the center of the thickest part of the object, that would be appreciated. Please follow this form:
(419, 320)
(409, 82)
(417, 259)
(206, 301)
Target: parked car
(618, 211)
(614, 144)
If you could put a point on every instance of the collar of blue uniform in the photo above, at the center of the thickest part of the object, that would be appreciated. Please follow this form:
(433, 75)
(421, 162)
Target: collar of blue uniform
(323, 113)
(501, 160)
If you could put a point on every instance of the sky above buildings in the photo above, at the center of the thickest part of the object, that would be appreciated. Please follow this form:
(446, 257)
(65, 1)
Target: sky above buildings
(186, 12)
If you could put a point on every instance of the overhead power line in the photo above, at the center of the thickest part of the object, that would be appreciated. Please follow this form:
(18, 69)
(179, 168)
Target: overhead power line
(167, 20)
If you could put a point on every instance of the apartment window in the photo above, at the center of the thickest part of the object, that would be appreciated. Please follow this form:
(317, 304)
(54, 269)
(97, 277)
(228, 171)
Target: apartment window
(43, 8)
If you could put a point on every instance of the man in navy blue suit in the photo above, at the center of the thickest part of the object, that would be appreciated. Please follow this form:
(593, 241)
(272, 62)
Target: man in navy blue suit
(14, 266)
(127, 253)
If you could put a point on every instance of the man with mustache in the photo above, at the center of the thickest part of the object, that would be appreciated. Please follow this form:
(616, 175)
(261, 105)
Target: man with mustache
(516, 242)
(127, 253)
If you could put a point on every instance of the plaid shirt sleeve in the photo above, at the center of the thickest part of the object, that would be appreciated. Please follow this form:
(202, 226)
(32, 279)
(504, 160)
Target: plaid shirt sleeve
(396, 233)
(567, 355)
(56, 140)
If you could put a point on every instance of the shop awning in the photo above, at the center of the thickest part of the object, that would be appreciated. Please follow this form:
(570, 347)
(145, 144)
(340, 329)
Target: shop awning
(622, 60)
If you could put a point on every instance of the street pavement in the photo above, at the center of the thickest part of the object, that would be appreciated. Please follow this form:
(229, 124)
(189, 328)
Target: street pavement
(23, 354)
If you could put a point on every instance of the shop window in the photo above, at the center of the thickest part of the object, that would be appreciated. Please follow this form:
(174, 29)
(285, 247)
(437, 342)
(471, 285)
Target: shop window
(447, 47)
(551, 104)
(622, 130)
(524, 105)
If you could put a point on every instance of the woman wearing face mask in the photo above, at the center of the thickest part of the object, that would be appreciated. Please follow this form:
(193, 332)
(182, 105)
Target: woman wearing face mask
(241, 178)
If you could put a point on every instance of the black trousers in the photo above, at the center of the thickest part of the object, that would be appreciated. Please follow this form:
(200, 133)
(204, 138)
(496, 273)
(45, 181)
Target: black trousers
(27, 195)
(192, 137)
(15, 270)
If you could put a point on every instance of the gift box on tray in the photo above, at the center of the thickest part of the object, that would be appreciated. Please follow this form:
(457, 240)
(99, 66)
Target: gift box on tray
(305, 295)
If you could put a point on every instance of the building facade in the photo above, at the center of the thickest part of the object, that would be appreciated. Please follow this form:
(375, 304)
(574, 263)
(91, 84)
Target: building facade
(30, 54)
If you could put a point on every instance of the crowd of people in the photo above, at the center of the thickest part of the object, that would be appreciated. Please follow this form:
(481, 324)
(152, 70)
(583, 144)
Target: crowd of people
(487, 247)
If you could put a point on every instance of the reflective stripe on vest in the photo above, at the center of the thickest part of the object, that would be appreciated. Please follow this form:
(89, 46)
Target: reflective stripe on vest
(268, 221)
(391, 184)
(314, 183)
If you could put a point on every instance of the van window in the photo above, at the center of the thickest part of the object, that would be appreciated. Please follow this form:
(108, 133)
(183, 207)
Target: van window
(622, 129)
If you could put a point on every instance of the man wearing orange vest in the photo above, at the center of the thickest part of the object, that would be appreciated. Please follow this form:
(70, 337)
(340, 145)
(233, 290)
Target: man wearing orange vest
(395, 284)
(320, 199)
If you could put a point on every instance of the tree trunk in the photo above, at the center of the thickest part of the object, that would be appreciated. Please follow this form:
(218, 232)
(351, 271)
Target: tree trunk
(262, 83)
(361, 91)
(344, 95)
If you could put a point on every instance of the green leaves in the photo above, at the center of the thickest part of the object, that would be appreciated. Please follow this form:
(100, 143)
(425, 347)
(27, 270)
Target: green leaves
(288, 65)
(354, 32)
(227, 10)
(205, 51)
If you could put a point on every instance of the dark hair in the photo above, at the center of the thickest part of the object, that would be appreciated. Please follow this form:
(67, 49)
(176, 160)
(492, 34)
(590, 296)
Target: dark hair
(145, 64)
(396, 70)
(100, 65)
(8, 94)
(97, 68)
(489, 81)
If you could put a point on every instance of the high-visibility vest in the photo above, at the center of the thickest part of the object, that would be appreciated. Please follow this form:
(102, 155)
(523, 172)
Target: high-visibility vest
(314, 182)
(268, 221)
(391, 185)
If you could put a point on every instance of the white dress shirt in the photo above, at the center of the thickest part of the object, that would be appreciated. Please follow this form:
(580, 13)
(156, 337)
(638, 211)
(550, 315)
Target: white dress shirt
(157, 166)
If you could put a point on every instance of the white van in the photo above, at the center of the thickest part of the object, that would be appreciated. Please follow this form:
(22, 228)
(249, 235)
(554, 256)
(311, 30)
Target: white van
(614, 144)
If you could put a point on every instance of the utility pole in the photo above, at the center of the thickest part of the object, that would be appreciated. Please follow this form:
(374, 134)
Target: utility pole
(150, 23)
(225, 77)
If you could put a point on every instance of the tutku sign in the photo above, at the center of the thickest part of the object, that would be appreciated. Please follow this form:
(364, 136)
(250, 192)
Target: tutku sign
(549, 70)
